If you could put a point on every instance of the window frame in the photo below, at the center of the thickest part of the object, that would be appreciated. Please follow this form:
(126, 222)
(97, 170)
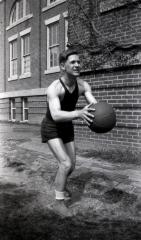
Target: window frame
(11, 40)
(51, 5)
(24, 108)
(65, 15)
(12, 108)
(23, 18)
(17, 10)
(22, 35)
(48, 23)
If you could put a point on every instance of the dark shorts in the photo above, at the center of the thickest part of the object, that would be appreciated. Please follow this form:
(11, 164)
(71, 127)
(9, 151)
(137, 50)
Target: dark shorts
(51, 130)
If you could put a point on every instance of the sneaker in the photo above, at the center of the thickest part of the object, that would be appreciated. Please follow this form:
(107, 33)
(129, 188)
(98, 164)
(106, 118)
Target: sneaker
(67, 195)
(61, 209)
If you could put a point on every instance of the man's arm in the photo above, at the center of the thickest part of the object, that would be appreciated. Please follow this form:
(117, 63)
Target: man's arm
(88, 93)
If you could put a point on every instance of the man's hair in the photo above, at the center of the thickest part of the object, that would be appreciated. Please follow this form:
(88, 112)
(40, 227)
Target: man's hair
(65, 54)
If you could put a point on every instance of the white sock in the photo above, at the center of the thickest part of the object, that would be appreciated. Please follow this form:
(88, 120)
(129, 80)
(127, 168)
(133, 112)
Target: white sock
(59, 195)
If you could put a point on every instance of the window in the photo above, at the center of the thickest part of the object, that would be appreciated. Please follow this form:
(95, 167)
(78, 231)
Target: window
(52, 44)
(13, 59)
(25, 53)
(20, 10)
(12, 112)
(24, 109)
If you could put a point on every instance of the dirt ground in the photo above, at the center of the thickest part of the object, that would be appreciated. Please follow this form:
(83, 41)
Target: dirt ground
(105, 186)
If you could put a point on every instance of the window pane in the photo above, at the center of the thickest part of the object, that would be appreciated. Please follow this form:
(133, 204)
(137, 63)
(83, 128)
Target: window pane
(26, 62)
(14, 67)
(13, 103)
(13, 58)
(50, 36)
(54, 54)
(25, 103)
(9, 109)
(13, 14)
(27, 8)
(14, 49)
(20, 12)
(26, 45)
(54, 34)
(13, 114)
(25, 114)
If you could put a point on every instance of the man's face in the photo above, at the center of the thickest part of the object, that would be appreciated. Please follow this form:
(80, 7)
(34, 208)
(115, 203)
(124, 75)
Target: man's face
(72, 65)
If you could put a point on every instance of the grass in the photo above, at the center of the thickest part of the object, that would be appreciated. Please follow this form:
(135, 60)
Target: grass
(114, 155)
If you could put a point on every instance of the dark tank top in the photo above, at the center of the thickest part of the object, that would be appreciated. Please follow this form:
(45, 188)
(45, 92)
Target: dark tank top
(69, 101)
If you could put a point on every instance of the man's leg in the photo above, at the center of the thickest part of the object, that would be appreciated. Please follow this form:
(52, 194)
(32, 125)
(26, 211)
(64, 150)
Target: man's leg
(70, 148)
(65, 164)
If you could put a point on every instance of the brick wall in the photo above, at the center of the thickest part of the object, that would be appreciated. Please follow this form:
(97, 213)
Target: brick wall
(33, 22)
(4, 109)
(120, 87)
(36, 104)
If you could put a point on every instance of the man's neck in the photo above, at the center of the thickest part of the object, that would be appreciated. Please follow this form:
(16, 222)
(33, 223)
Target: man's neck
(69, 80)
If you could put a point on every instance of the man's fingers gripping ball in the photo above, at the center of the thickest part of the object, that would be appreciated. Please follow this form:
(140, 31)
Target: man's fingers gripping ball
(87, 115)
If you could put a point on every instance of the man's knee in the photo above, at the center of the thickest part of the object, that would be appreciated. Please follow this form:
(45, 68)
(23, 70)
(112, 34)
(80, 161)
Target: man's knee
(66, 165)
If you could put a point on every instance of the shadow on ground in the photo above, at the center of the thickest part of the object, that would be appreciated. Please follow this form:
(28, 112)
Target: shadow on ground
(104, 211)
(42, 225)
(23, 218)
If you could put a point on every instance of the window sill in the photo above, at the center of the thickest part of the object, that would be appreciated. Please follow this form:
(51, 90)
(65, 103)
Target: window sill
(12, 120)
(52, 5)
(24, 121)
(23, 76)
(13, 78)
(52, 70)
(20, 21)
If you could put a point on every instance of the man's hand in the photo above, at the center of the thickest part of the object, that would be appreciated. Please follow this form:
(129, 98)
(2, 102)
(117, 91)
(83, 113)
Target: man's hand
(86, 115)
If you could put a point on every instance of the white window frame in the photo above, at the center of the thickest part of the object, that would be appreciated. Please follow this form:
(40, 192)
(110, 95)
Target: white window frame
(22, 35)
(51, 5)
(19, 20)
(65, 15)
(24, 108)
(17, 11)
(12, 107)
(47, 23)
(10, 40)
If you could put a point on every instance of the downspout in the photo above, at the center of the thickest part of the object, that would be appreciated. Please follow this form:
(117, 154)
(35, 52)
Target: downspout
(40, 68)
(4, 67)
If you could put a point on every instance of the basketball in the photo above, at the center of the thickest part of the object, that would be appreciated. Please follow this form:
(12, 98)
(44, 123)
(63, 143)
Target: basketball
(105, 118)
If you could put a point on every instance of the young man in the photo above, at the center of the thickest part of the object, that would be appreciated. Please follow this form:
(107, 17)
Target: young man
(57, 128)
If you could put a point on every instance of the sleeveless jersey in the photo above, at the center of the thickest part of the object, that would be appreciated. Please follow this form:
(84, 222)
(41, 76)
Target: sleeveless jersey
(69, 101)
(64, 130)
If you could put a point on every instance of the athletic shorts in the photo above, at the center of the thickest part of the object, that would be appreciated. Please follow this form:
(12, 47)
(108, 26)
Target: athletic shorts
(51, 130)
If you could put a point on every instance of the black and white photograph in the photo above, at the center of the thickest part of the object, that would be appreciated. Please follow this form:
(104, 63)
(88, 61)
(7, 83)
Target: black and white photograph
(70, 119)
